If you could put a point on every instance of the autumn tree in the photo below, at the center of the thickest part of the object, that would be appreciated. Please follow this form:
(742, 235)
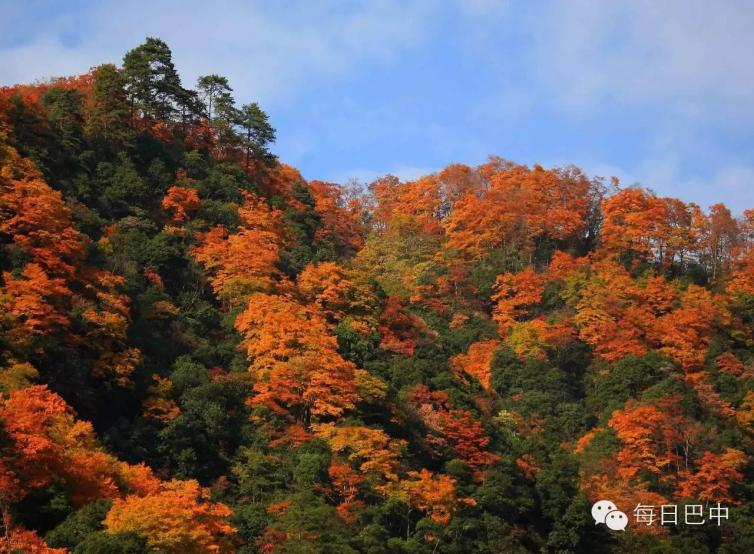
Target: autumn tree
(476, 362)
(294, 359)
(650, 434)
(635, 220)
(243, 262)
(432, 494)
(341, 217)
(514, 295)
(518, 206)
(179, 518)
(719, 239)
(180, 201)
(712, 480)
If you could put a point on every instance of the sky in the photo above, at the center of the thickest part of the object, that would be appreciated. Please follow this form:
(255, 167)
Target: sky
(656, 93)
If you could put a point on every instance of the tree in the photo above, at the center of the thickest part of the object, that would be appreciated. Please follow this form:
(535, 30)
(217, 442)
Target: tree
(213, 89)
(108, 114)
(435, 495)
(514, 295)
(294, 360)
(37, 221)
(453, 429)
(519, 206)
(50, 445)
(476, 362)
(345, 482)
(711, 481)
(719, 239)
(684, 333)
(64, 111)
(467, 439)
(257, 133)
(152, 82)
(650, 434)
(635, 221)
(371, 452)
(38, 302)
(610, 314)
(342, 217)
(331, 288)
(180, 518)
(181, 201)
(400, 257)
(240, 263)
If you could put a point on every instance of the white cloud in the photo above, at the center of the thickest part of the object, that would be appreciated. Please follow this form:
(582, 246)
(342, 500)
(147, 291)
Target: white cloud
(44, 58)
(694, 55)
(732, 183)
(268, 50)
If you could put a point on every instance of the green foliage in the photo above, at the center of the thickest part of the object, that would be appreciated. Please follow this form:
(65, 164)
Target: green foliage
(117, 543)
(611, 385)
(152, 82)
(108, 118)
(79, 525)
(202, 440)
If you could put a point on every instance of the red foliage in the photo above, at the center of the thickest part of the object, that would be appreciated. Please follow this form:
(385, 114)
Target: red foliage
(400, 329)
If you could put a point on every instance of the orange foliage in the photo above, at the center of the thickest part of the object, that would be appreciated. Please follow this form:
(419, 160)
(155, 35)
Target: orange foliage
(345, 482)
(609, 313)
(518, 206)
(635, 220)
(476, 362)
(742, 277)
(457, 430)
(294, 359)
(712, 479)
(684, 333)
(48, 444)
(341, 220)
(728, 363)
(467, 439)
(180, 518)
(243, 262)
(280, 181)
(370, 451)
(32, 94)
(626, 497)
(37, 301)
(666, 230)
(51, 444)
(649, 433)
(181, 201)
(514, 295)
(327, 286)
(19, 540)
(36, 220)
(158, 405)
(433, 494)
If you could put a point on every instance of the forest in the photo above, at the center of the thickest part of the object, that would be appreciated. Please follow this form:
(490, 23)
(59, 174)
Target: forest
(201, 351)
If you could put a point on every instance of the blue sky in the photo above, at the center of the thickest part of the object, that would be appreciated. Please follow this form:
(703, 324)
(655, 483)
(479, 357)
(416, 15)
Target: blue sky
(660, 93)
